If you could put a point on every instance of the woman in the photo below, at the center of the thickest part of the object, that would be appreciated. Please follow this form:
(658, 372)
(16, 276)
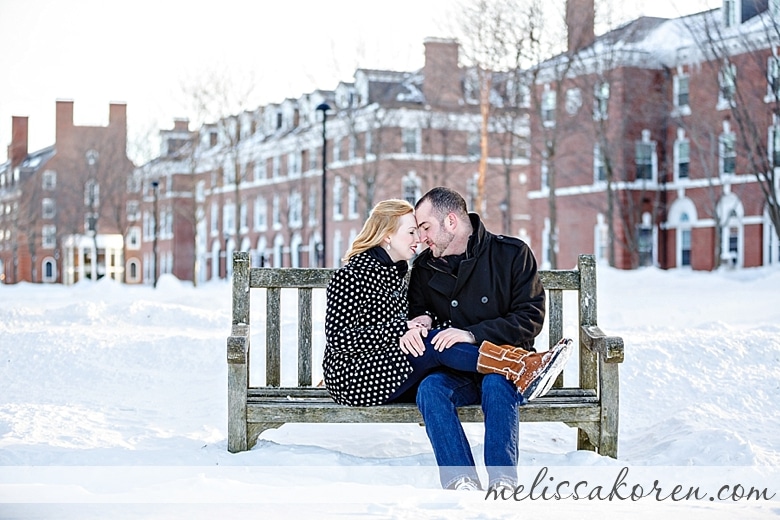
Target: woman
(366, 309)
(365, 363)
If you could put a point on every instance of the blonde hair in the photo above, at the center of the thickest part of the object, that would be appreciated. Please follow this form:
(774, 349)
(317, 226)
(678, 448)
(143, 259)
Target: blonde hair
(383, 220)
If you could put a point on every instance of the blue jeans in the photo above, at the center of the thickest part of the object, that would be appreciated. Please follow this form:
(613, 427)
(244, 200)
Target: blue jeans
(441, 393)
(460, 356)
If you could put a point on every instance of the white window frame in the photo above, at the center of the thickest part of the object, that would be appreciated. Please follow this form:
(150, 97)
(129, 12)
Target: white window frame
(353, 197)
(410, 140)
(53, 263)
(48, 236)
(723, 153)
(678, 155)
(683, 108)
(261, 214)
(338, 203)
(601, 101)
(49, 180)
(772, 78)
(48, 208)
(598, 166)
(134, 238)
(727, 86)
(549, 102)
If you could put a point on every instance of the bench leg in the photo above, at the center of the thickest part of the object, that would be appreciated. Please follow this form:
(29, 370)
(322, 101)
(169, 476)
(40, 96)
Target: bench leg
(610, 404)
(253, 431)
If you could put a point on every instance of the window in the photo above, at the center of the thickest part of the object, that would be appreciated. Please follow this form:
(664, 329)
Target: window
(48, 209)
(49, 236)
(411, 140)
(49, 270)
(337, 149)
(644, 157)
(313, 159)
(276, 167)
(599, 168)
(548, 106)
(774, 143)
(244, 217)
(338, 207)
(369, 143)
(49, 180)
(645, 241)
(312, 205)
(90, 222)
(295, 209)
(685, 247)
(134, 238)
(133, 210)
(682, 154)
(411, 188)
(132, 271)
(727, 81)
(353, 197)
(91, 193)
(276, 214)
(545, 173)
(681, 91)
(228, 218)
(214, 219)
(600, 100)
(773, 77)
(473, 145)
(261, 219)
(728, 154)
(351, 145)
(293, 164)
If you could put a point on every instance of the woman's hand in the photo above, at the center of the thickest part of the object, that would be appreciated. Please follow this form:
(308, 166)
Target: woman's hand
(412, 341)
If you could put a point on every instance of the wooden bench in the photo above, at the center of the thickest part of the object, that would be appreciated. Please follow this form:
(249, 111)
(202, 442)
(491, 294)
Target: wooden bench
(592, 406)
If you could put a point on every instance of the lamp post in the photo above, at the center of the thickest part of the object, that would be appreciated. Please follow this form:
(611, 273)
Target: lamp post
(155, 190)
(324, 107)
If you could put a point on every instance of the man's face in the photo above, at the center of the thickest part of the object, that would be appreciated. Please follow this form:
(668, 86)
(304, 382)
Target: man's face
(433, 232)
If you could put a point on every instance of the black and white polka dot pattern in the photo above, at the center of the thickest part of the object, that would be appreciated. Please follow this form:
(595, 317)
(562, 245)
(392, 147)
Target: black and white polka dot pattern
(365, 317)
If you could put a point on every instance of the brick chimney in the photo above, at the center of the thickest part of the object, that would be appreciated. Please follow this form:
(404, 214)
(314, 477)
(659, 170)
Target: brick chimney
(64, 121)
(117, 114)
(580, 18)
(17, 150)
(441, 75)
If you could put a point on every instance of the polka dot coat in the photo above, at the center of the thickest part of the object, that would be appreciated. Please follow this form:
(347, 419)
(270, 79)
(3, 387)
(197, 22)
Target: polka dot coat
(364, 319)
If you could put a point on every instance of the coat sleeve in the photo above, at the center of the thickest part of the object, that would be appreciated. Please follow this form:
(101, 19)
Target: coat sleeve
(351, 321)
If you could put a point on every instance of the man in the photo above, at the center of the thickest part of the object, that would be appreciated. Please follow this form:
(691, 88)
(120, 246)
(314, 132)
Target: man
(478, 287)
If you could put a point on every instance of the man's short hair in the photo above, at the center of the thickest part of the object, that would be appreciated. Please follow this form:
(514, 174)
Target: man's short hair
(444, 201)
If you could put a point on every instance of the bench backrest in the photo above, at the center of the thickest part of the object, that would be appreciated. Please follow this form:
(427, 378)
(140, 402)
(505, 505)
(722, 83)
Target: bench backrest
(304, 280)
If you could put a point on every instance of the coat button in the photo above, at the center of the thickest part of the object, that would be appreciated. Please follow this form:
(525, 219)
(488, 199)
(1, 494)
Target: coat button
(484, 299)
(454, 303)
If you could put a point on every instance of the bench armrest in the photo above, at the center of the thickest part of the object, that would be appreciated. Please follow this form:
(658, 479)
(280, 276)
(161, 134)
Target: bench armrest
(609, 347)
(238, 344)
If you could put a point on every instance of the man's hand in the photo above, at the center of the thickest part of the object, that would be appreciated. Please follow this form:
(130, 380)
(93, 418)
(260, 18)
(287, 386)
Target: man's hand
(448, 337)
(423, 320)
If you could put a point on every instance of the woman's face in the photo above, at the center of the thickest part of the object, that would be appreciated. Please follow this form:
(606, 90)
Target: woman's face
(402, 244)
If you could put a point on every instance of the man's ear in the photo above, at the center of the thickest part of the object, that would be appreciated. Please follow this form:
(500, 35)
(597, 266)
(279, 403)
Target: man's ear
(451, 220)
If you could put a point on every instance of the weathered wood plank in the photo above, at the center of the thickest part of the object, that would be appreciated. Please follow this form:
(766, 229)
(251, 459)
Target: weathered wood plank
(241, 287)
(273, 337)
(313, 412)
(610, 405)
(260, 392)
(609, 347)
(587, 315)
(290, 277)
(304, 337)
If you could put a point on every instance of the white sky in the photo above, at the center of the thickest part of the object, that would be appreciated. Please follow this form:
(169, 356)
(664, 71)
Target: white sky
(140, 51)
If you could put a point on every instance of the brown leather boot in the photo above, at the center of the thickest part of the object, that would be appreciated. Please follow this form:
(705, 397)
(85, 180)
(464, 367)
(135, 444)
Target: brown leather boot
(533, 373)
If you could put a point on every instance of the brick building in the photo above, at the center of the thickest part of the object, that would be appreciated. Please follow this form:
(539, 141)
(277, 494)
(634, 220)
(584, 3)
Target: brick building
(647, 140)
(254, 181)
(67, 211)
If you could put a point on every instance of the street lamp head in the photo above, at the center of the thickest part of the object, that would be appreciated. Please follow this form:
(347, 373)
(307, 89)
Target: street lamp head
(324, 107)
(155, 184)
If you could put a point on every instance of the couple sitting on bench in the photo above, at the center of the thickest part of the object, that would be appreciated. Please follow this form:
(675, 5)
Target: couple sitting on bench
(476, 304)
